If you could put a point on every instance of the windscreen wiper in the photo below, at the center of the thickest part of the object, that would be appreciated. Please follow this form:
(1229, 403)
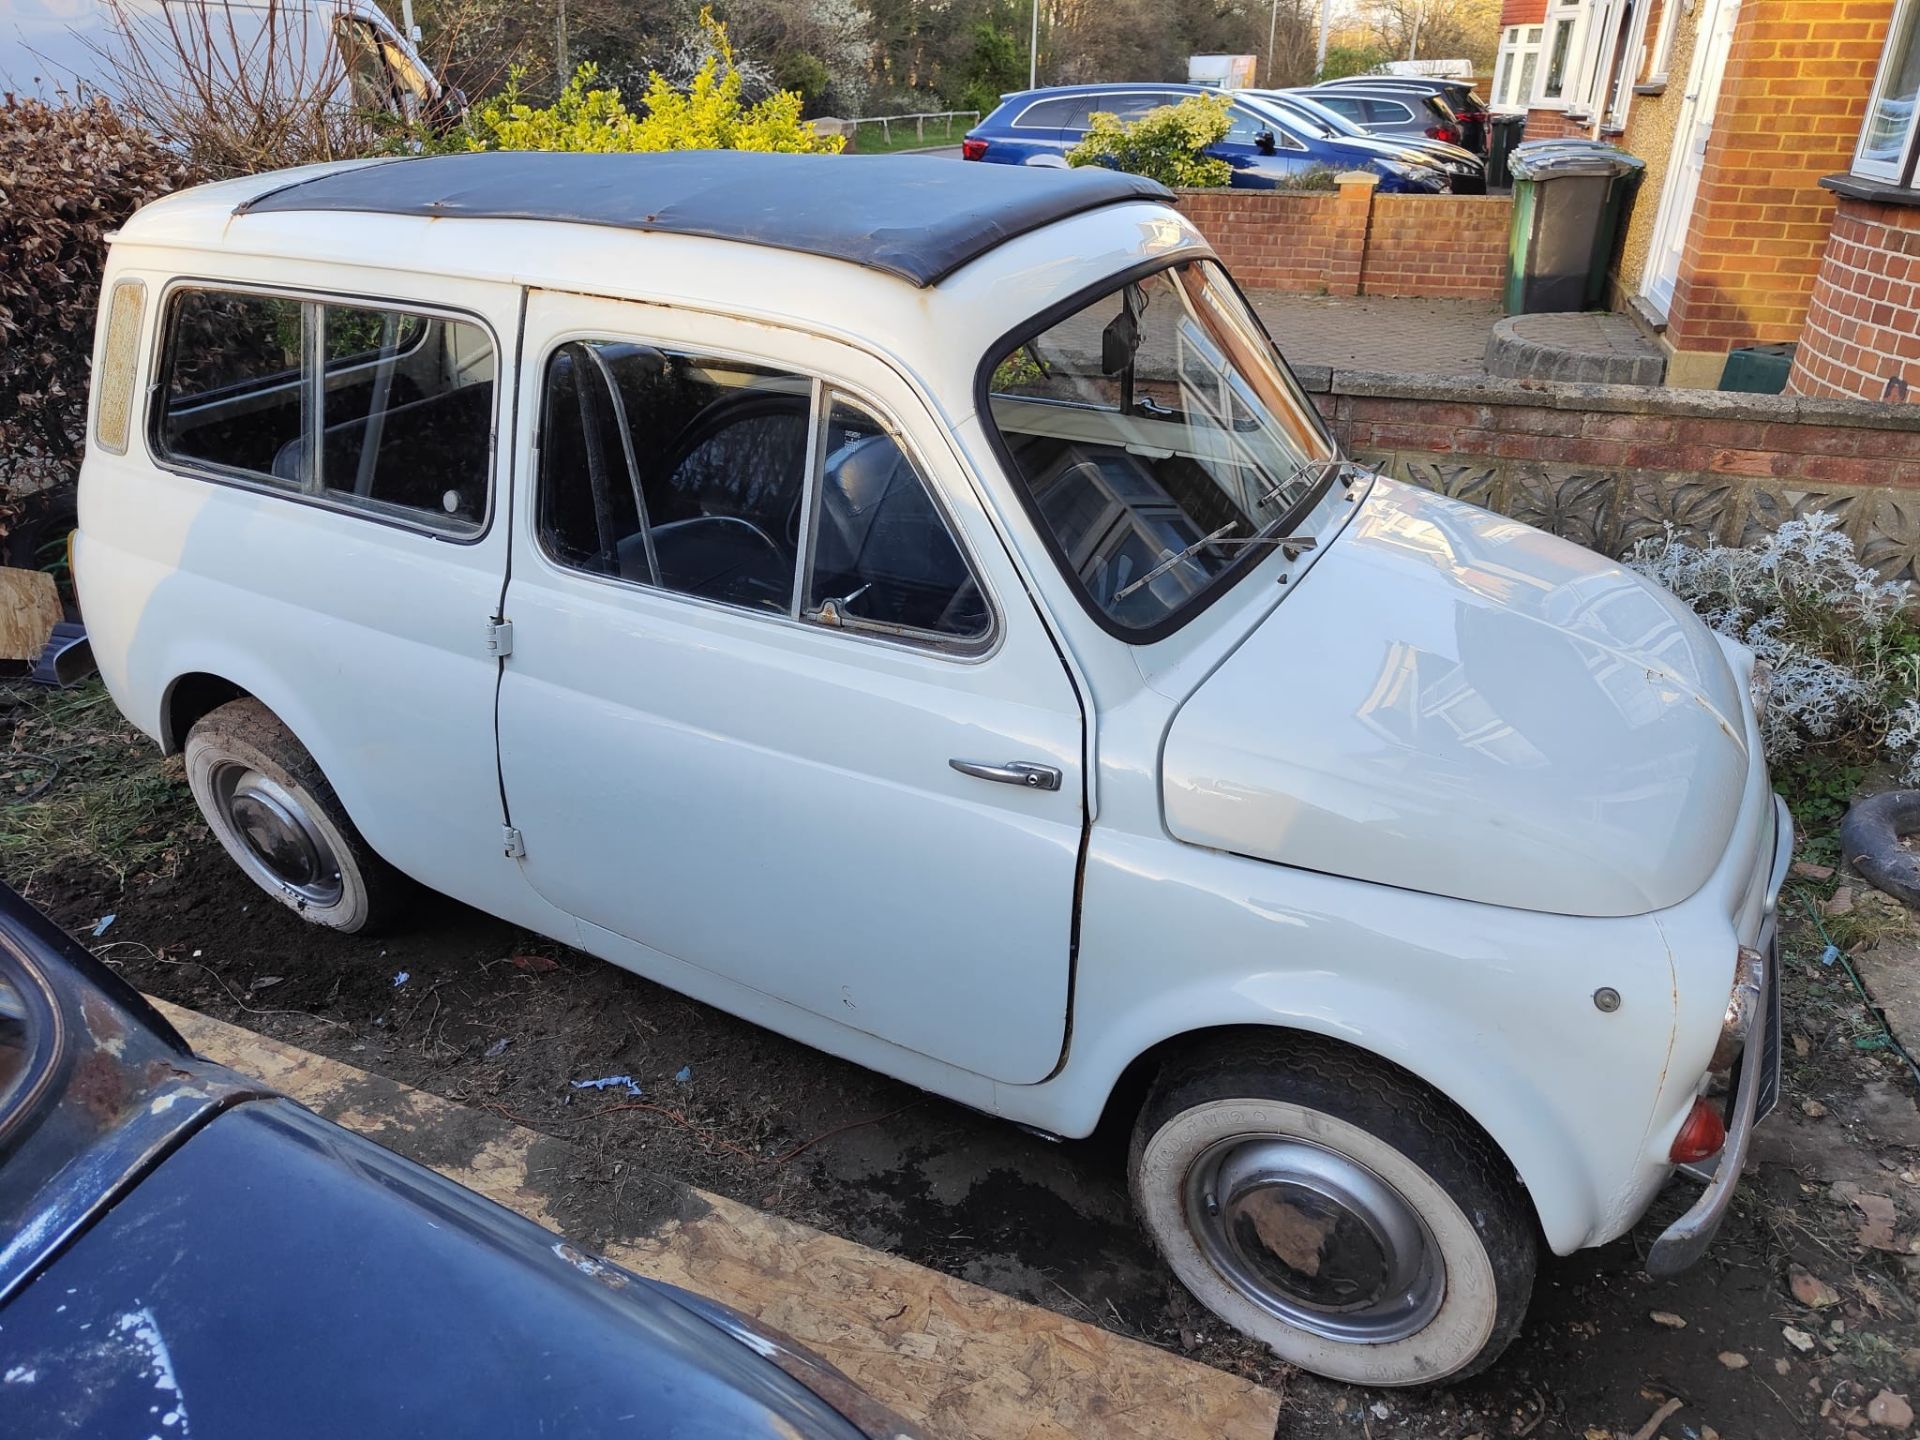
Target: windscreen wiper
(1172, 560)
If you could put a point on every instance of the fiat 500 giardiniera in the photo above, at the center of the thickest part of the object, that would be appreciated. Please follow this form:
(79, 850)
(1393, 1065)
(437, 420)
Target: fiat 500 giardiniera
(912, 606)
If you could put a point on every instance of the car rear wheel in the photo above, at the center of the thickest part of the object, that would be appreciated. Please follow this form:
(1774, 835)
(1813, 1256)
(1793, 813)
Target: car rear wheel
(1334, 1209)
(267, 801)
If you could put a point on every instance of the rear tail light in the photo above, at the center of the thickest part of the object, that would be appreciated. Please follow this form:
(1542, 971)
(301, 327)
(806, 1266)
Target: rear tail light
(1443, 132)
(1701, 1134)
(1474, 117)
(973, 149)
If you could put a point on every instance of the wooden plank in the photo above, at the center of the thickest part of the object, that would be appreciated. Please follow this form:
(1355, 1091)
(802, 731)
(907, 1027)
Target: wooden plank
(962, 1360)
(29, 609)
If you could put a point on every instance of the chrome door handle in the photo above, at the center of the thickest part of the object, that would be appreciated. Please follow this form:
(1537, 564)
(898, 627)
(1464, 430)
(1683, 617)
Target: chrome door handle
(1015, 772)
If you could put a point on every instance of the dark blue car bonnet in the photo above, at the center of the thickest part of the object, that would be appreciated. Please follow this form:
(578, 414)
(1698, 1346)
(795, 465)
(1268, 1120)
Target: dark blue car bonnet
(277, 1278)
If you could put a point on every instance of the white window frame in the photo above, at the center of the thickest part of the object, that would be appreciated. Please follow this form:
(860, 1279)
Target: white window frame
(1662, 56)
(1901, 169)
(1585, 98)
(1515, 47)
(1572, 16)
(1621, 104)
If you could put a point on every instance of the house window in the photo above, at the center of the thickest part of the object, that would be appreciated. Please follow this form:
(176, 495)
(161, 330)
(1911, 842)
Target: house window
(1890, 138)
(1517, 68)
(1661, 21)
(1554, 86)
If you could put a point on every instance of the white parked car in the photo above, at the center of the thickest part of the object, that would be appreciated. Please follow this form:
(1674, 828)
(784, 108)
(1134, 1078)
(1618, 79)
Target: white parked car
(911, 606)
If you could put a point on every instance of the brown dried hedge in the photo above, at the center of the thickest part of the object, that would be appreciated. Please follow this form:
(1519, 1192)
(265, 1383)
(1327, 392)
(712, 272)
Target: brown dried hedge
(69, 174)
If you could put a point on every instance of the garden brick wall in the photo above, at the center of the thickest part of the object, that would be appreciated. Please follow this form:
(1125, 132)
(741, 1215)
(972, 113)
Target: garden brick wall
(1610, 465)
(1862, 336)
(1309, 243)
(1795, 88)
(1451, 245)
(1357, 242)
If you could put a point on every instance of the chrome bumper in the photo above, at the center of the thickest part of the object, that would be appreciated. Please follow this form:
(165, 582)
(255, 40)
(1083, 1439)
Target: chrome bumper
(1756, 1084)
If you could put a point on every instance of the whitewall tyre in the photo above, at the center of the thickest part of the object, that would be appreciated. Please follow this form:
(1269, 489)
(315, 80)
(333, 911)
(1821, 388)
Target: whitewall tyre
(1335, 1209)
(270, 806)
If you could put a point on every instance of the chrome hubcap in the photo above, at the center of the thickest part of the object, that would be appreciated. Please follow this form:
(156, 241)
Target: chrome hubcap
(1315, 1239)
(281, 843)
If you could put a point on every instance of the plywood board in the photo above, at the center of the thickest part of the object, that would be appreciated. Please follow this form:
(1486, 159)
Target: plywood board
(964, 1361)
(29, 609)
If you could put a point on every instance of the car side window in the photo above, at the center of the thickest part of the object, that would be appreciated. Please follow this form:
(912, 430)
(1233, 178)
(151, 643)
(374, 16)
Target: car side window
(1341, 105)
(1244, 126)
(1050, 114)
(682, 472)
(691, 474)
(883, 556)
(386, 411)
(234, 396)
(408, 415)
(1388, 112)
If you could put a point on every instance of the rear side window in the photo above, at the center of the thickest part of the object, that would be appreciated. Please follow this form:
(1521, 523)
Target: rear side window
(1387, 112)
(386, 411)
(119, 359)
(1058, 114)
(748, 486)
(1345, 105)
(234, 398)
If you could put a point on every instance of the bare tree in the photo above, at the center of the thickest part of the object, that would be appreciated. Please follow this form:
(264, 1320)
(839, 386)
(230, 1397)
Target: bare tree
(240, 89)
(1435, 29)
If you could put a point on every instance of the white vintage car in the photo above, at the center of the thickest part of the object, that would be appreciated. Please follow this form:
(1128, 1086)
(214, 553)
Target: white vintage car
(911, 605)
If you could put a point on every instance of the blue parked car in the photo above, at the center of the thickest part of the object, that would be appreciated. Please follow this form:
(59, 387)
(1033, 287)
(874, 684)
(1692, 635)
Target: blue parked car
(1265, 145)
(185, 1253)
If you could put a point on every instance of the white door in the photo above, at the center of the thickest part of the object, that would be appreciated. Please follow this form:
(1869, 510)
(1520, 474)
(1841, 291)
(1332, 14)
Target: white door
(758, 615)
(1674, 220)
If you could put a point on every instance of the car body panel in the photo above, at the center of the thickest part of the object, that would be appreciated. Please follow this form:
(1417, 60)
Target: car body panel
(280, 1276)
(769, 767)
(1524, 723)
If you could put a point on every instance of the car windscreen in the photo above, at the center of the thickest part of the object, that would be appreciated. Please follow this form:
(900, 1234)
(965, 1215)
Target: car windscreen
(1158, 442)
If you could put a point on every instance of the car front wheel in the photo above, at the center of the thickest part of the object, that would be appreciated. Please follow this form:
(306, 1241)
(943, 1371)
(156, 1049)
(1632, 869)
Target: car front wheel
(271, 807)
(1335, 1209)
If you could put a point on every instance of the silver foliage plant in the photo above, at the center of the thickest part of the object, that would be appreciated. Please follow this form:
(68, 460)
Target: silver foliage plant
(1839, 639)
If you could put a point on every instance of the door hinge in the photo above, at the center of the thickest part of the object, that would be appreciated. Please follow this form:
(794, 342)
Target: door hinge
(516, 847)
(499, 638)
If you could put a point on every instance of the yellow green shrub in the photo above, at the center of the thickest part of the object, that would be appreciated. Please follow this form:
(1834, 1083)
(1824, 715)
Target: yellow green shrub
(1165, 144)
(707, 115)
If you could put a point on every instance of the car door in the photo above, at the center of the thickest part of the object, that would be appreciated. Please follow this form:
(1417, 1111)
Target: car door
(1256, 167)
(770, 666)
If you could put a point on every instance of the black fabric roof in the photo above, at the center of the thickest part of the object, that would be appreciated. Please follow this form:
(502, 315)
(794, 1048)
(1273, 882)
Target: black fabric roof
(920, 217)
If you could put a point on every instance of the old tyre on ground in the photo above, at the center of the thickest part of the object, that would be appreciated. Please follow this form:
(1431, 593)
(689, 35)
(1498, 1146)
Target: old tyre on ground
(1335, 1209)
(1870, 839)
(273, 810)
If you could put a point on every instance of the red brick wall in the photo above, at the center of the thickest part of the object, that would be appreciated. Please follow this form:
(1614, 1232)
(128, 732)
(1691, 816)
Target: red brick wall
(1357, 242)
(1450, 245)
(1862, 336)
(1795, 89)
(1633, 439)
(1552, 125)
(1308, 243)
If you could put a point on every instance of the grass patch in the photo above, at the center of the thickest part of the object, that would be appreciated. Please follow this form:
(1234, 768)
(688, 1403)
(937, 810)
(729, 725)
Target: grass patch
(872, 139)
(79, 784)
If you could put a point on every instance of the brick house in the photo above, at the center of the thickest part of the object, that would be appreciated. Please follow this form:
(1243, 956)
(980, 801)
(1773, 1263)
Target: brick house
(1780, 203)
